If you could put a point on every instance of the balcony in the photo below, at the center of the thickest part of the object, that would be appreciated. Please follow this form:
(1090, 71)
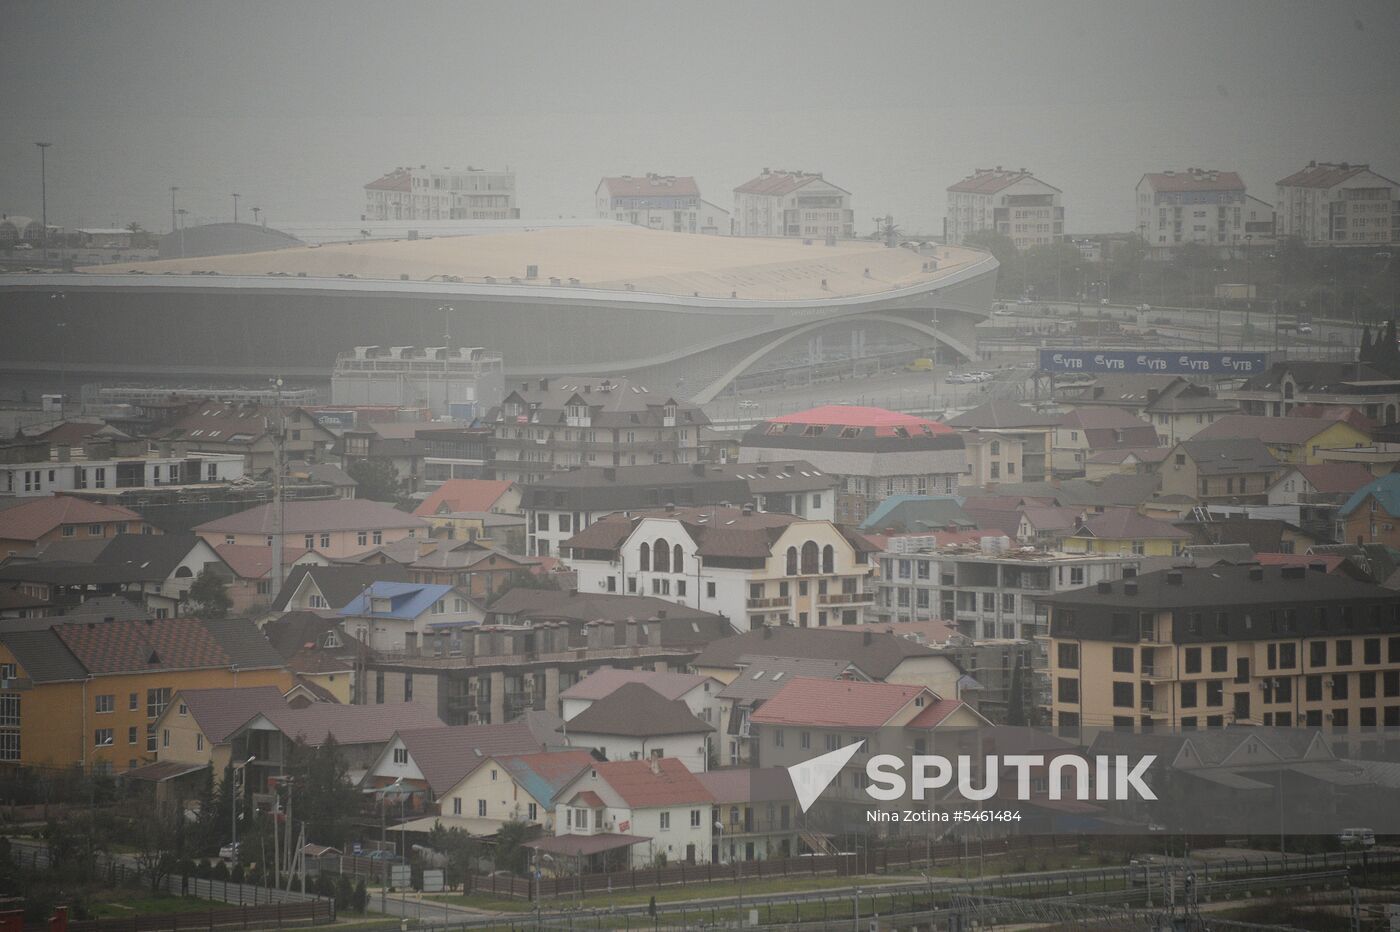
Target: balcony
(846, 598)
(769, 603)
(1155, 672)
(754, 826)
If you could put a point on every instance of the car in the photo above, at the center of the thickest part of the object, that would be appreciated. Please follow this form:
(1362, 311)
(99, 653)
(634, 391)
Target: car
(1305, 328)
(1103, 301)
(748, 404)
(957, 378)
(1002, 311)
(1023, 300)
(230, 852)
(382, 854)
(1144, 308)
(24, 246)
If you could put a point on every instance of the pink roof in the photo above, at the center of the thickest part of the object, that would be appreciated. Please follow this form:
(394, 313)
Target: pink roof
(1322, 175)
(883, 420)
(463, 495)
(589, 798)
(251, 561)
(836, 703)
(1336, 477)
(33, 519)
(1195, 181)
(777, 183)
(605, 682)
(1329, 560)
(935, 712)
(641, 788)
(989, 181)
(652, 186)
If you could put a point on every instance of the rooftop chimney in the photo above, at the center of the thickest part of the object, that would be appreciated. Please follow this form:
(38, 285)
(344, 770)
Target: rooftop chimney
(1129, 572)
(1256, 573)
(867, 638)
(1130, 588)
(1105, 587)
(1174, 577)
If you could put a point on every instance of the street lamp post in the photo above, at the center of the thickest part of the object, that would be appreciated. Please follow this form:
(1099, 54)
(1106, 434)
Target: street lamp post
(235, 778)
(235, 196)
(44, 191)
(855, 924)
(173, 189)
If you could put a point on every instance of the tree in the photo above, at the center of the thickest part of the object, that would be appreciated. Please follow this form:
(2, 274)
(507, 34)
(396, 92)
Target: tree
(377, 480)
(511, 853)
(459, 849)
(156, 838)
(524, 579)
(1010, 278)
(1016, 701)
(208, 596)
(321, 792)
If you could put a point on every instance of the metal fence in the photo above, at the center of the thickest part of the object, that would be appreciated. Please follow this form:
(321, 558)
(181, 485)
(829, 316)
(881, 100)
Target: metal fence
(275, 916)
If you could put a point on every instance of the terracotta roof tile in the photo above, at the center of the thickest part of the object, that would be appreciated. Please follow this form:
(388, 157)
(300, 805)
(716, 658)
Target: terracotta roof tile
(836, 704)
(37, 517)
(641, 788)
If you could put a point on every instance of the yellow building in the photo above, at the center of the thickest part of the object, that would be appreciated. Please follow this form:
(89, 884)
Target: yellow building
(1207, 647)
(1300, 441)
(90, 694)
(195, 727)
(1123, 530)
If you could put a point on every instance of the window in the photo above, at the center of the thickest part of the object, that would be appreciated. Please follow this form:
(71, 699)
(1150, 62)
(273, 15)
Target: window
(805, 740)
(1122, 660)
(665, 821)
(532, 812)
(1344, 653)
(709, 590)
(1123, 695)
(102, 738)
(1193, 659)
(695, 818)
(9, 710)
(481, 808)
(1188, 695)
(156, 701)
(1067, 689)
(1068, 655)
(1215, 693)
(401, 755)
(1219, 659)
(777, 737)
(105, 705)
(1371, 651)
(456, 805)
(165, 738)
(362, 538)
(1317, 653)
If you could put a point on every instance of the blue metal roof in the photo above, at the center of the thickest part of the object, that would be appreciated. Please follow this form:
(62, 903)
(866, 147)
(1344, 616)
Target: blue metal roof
(406, 600)
(1386, 489)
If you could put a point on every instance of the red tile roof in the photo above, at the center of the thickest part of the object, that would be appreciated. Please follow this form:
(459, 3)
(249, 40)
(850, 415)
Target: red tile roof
(37, 517)
(1322, 175)
(1336, 477)
(671, 784)
(1329, 560)
(836, 704)
(652, 186)
(458, 495)
(606, 681)
(397, 180)
(588, 798)
(1127, 524)
(134, 646)
(778, 182)
(252, 561)
(935, 712)
(884, 421)
(307, 517)
(991, 180)
(1194, 180)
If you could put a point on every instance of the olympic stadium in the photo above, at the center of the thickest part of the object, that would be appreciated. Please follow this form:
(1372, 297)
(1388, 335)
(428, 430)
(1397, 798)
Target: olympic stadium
(669, 308)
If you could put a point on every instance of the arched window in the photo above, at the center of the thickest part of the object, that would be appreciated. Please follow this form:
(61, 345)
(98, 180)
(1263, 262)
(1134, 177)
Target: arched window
(183, 571)
(828, 559)
(810, 560)
(792, 561)
(661, 555)
(677, 559)
(645, 557)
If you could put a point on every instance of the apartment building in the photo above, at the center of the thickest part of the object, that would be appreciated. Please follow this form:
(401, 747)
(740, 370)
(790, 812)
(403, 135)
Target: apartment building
(40, 522)
(1198, 205)
(1222, 471)
(1338, 204)
(1371, 515)
(753, 568)
(660, 202)
(1289, 385)
(875, 453)
(107, 465)
(793, 203)
(1207, 647)
(249, 429)
(1015, 204)
(1018, 429)
(548, 425)
(334, 528)
(562, 504)
(1083, 432)
(461, 382)
(422, 193)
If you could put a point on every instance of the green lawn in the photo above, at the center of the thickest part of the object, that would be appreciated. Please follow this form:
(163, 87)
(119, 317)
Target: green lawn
(126, 903)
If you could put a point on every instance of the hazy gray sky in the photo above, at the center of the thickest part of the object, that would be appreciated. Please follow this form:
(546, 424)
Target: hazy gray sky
(297, 105)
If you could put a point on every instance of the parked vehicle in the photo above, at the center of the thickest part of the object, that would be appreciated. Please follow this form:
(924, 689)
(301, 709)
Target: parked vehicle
(1357, 837)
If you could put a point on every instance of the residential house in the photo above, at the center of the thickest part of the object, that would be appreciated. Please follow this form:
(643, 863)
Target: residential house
(250, 573)
(341, 483)
(423, 454)
(635, 722)
(1083, 432)
(1224, 470)
(110, 465)
(16, 603)
(1262, 535)
(1018, 424)
(271, 736)
(1319, 492)
(754, 816)
(879, 657)
(551, 639)
(389, 617)
(699, 693)
(1175, 406)
(751, 567)
(1125, 531)
(560, 505)
(249, 429)
(515, 787)
(1133, 461)
(652, 811)
(38, 522)
(477, 570)
(793, 203)
(431, 761)
(88, 694)
(446, 508)
(336, 528)
(1364, 386)
(1294, 440)
(1187, 648)
(330, 588)
(1016, 204)
(1198, 205)
(875, 453)
(318, 650)
(548, 426)
(759, 679)
(1338, 204)
(660, 202)
(1372, 514)
(197, 723)
(917, 514)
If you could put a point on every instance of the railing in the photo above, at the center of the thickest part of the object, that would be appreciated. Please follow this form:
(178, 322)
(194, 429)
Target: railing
(769, 603)
(274, 916)
(846, 598)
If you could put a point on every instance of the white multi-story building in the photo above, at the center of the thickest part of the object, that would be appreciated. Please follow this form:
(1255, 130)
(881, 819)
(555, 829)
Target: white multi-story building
(70, 469)
(1197, 205)
(754, 568)
(660, 202)
(461, 382)
(659, 808)
(793, 203)
(1014, 203)
(1338, 204)
(423, 193)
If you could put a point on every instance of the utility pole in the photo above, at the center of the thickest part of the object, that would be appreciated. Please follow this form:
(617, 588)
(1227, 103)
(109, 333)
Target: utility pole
(173, 189)
(182, 213)
(256, 211)
(235, 196)
(278, 437)
(44, 190)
